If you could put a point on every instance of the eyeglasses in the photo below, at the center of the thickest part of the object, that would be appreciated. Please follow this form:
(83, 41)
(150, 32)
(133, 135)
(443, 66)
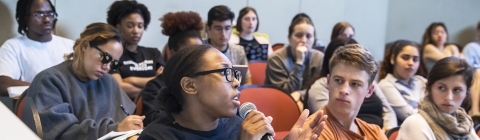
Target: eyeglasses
(229, 74)
(107, 58)
(222, 29)
(40, 16)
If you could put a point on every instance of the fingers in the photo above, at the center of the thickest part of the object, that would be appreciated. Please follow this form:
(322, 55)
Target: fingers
(314, 137)
(255, 123)
(270, 119)
(301, 120)
(318, 116)
(266, 129)
(135, 121)
(318, 129)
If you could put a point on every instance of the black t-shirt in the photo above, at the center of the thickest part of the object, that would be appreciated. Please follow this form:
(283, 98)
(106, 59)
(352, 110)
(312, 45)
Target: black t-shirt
(371, 110)
(166, 129)
(144, 63)
(254, 50)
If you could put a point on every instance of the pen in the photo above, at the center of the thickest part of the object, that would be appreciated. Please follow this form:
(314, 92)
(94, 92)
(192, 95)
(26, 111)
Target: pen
(121, 106)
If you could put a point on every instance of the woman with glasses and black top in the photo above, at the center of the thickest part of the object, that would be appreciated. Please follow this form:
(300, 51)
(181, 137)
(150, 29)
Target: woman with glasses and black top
(78, 98)
(139, 64)
(201, 99)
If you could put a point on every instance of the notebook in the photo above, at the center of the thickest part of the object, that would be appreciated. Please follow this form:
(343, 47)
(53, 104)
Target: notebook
(16, 91)
(243, 69)
(120, 135)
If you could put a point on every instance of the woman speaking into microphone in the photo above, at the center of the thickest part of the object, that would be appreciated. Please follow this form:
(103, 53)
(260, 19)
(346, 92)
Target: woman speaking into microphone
(201, 99)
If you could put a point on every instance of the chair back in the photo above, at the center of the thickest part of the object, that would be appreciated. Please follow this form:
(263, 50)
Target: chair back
(30, 116)
(273, 102)
(19, 105)
(392, 133)
(277, 46)
(257, 70)
(139, 105)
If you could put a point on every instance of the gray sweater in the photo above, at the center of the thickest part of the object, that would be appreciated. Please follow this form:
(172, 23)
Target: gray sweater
(282, 71)
(72, 109)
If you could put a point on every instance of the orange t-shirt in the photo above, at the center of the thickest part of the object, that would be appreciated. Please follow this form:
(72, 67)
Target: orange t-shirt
(333, 130)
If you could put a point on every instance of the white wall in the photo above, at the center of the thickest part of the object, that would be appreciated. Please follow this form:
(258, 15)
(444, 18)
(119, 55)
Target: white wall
(408, 19)
(375, 21)
(8, 25)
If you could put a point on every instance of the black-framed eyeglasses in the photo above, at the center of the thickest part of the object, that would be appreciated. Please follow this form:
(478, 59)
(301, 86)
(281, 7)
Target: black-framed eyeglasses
(106, 58)
(229, 74)
(40, 16)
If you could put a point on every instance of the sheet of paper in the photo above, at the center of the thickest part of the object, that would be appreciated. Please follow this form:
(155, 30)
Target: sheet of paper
(16, 91)
(114, 134)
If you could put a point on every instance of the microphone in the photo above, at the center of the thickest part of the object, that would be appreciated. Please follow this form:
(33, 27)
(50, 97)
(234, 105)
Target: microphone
(245, 108)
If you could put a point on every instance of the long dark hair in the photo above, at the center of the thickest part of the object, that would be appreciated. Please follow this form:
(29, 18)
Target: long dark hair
(339, 28)
(391, 51)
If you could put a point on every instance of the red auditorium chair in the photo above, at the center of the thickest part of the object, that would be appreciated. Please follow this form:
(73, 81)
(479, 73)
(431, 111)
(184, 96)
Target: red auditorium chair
(257, 69)
(274, 102)
(392, 133)
(139, 105)
(20, 104)
(277, 46)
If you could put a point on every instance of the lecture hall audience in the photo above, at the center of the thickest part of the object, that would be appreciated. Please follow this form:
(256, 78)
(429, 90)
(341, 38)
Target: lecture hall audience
(84, 89)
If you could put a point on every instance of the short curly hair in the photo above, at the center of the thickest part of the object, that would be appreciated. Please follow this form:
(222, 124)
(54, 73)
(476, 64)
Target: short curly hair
(120, 9)
(181, 26)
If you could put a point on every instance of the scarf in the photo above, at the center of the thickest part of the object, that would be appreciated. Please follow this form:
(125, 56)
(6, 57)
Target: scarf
(445, 126)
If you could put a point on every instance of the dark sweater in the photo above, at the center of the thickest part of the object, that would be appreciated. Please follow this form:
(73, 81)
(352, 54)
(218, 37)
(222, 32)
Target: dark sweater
(371, 110)
(72, 109)
(151, 106)
(166, 129)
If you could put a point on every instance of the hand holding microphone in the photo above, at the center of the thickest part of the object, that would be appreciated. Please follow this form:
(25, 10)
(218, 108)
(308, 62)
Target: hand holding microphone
(255, 125)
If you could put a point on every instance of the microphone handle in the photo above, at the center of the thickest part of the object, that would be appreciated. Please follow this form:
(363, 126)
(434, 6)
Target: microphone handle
(267, 137)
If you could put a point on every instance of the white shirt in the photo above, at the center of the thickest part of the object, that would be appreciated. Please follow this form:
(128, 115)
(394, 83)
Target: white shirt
(416, 127)
(471, 53)
(403, 98)
(22, 58)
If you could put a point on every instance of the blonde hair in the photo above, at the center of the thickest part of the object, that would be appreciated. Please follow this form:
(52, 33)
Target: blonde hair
(94, 35)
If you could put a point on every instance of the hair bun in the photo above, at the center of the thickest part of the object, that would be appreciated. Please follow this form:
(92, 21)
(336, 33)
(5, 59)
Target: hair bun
(180, 21)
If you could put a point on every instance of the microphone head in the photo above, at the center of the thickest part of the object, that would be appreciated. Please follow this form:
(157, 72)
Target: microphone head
(245, 108)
